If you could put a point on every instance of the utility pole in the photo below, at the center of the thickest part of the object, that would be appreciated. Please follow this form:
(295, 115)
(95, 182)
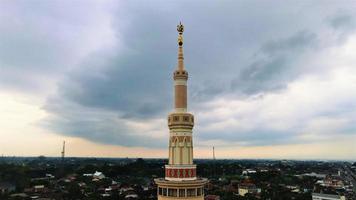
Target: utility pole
(214, 163)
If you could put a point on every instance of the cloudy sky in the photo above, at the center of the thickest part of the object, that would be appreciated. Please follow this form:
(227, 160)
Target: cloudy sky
(268, 79)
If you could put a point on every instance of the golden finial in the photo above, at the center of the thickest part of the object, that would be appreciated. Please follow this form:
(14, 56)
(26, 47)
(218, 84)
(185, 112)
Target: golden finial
(180, 28)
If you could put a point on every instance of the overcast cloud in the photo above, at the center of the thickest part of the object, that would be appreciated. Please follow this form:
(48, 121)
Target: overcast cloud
(260, 74)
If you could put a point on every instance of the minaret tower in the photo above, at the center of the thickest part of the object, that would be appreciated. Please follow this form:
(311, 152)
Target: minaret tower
(180, 180)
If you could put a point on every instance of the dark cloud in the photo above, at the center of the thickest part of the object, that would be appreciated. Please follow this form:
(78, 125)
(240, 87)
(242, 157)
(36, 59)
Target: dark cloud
(297, 43)
(342, 21)
(272, 67)
(125, 87)
(231, 48)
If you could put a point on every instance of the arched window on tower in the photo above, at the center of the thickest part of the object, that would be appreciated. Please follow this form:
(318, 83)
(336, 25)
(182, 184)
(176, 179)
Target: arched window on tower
(176, 151)
(185, 151)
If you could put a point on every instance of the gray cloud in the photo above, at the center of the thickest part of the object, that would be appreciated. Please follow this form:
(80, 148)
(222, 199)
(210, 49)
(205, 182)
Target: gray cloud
(125, 88)
(296, 43)
(272, 68)
(343, 24)
(102, 130)
(258, 137)
(342, 21)
(231, 48)
(97, 125)
(137, 83)
(40, 40)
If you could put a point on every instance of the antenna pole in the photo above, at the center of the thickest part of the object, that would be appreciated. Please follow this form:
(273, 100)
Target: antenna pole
(213, 153)
(63, 150)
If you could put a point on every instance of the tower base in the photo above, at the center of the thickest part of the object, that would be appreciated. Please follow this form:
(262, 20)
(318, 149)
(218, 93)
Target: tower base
(185, 189)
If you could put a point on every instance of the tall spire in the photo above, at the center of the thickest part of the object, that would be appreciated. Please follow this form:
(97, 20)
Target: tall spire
(180, 75)
(180, 29)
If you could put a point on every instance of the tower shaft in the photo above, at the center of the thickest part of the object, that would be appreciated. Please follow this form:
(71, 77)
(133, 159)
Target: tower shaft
(180, 77)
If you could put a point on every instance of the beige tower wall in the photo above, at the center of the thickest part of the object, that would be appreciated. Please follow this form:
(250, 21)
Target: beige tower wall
(181, 149)
(180, 96)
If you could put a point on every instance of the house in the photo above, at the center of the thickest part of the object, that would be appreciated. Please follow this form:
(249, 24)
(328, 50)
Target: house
(98, 175)
(88, 175)
(248, 171)
(38, 188)
(313, 174)
(333, 181)
(248, 188)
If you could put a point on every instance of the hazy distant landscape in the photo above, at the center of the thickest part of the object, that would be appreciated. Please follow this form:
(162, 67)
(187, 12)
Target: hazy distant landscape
(126, 178)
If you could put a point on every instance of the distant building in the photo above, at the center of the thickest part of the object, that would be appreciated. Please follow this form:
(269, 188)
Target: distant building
(50, 176)
(321, 196)
(38, 188)
(333, 181)
(313, 174)
(98, 175)
(248, 171)
(248, 188)
(88, 175)
(105, 195)
(293, 188)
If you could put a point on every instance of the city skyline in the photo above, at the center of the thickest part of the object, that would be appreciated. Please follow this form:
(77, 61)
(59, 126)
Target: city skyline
(268, 82)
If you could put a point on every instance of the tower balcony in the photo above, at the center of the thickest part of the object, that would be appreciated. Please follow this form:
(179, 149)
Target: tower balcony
(189, 189)
(180, 120)
(180, 74)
